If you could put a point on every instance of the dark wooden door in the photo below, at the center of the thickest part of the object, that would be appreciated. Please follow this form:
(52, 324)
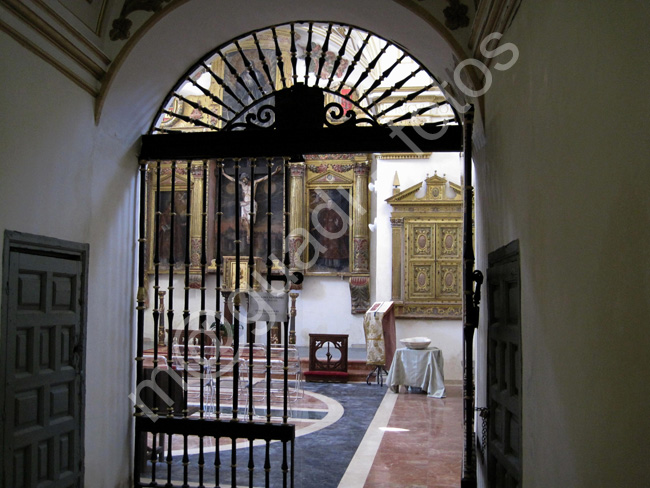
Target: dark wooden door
(42, 351)
(504, 368)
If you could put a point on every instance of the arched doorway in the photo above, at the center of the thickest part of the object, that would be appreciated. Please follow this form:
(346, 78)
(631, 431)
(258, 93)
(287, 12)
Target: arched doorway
(263, 100)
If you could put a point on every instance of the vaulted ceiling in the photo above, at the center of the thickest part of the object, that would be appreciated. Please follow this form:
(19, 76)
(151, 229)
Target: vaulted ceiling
(89, 40)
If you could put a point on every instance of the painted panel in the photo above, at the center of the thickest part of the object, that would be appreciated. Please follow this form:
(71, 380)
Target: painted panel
(30, 291)
(63, 297)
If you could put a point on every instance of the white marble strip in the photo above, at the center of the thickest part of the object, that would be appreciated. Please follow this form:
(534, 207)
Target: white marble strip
(359, 468)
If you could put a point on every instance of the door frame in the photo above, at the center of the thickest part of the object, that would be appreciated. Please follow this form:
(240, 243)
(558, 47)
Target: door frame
(15, 241)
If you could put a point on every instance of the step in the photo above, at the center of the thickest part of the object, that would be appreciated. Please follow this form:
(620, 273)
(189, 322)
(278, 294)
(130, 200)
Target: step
(358, 369)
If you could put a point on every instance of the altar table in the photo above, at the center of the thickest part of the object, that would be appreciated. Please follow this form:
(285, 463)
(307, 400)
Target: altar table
(420, 368)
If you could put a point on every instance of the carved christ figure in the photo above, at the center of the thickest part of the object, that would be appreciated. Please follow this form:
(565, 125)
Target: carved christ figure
(247, 193)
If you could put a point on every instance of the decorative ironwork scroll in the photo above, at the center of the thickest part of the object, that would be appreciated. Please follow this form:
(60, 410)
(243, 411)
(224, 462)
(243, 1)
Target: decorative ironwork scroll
(366, 80)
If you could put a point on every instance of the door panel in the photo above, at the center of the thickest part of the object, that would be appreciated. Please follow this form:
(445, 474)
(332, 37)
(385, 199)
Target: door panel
(504, 368)
(42, 396)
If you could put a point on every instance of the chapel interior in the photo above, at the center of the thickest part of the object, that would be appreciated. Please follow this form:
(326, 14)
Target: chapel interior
(159, 157)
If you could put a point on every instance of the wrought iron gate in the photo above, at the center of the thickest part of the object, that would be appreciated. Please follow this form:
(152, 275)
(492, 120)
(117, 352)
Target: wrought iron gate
(206, 382)
(277, 93)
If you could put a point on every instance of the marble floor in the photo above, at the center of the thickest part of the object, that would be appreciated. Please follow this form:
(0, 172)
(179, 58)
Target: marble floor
(413, 442)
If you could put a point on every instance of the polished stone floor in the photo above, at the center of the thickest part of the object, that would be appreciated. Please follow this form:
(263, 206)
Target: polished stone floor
(411, 441)
(414, 442)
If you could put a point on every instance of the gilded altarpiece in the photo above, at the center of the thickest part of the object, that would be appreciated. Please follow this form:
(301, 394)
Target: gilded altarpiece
(329, 233)
(427, 250)
(173, 214)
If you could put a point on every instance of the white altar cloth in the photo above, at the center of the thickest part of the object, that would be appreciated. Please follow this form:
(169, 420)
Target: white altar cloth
(420, 368)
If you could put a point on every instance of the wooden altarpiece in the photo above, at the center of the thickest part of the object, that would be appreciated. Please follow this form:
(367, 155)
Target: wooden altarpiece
(427, 250)
(331, 185)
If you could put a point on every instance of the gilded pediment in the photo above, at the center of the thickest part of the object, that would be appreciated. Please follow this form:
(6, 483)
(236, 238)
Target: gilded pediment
(438, 190)
(180, 180)
(330, 177)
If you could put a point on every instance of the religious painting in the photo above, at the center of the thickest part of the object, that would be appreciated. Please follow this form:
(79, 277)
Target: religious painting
(329, 230)
(249, 217)
(168, 222)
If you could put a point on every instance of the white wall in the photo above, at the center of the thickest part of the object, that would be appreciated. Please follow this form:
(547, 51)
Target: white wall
(445, 334)
(57, 180)
(565, 171)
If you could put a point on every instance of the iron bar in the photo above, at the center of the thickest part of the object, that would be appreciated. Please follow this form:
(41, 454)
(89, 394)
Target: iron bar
(355, 60)
(170, 280)
(250, 325)
(189, 120)
(385, 74)
(412, 96)
(269, 265)
(218, 315)
(468, 479)
(237, 77)
(369, 68)
(225, 85)
(217, 428)
(233, 464)
(267, 465)
(203, 109)
(235, 406)
(323, 52)
(340, 55)
(285, 466)
(221, 82)
(170, 312)
(249, 67)
(420, 112)
(294, 55)
(186, 462)
(186, 289)
(236, 297)
(278, 56)
(203, 314)
(218, 165)
(308, 53)
(201, 462)
(156, 311)
(262, 58)
(139, 437)
(293, 442)
(217, 461)
(299, 140)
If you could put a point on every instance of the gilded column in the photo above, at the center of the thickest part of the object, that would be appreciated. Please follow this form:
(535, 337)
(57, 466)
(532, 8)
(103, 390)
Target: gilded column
(360, 279)
(297, 233)
(360, 231)
(397, 225)
(195, 180)
(292, 314)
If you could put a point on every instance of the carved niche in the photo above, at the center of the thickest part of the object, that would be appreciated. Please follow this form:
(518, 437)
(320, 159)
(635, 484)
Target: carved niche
(427, 250)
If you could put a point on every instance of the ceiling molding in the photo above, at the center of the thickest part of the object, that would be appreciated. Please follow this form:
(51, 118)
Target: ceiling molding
(66, 44)
(491, 16)
(27, 44)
